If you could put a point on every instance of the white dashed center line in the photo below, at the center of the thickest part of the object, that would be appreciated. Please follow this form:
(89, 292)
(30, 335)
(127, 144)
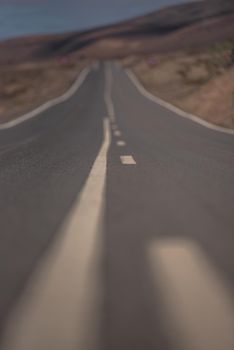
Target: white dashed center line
(127, 160)
(117, 133)
(121, 143)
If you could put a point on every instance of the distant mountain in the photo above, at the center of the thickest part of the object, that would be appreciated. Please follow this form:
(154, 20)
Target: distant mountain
(157, 24)
(172, 28)
(175, 17)
(28, 17)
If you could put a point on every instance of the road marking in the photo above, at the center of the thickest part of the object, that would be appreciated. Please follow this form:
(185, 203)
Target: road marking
(174, 109)
(127, 160)
(107, 94)
(73, 89)
(60, 307)
(198, 307)
(121, 143)
(117, 133)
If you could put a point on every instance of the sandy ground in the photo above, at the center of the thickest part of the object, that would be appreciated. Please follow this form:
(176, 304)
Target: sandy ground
(26, 86)
(198, 82)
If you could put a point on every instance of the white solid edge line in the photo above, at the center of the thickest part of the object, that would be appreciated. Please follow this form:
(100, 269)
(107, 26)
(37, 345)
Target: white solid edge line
(60, 306)
(71, 91)
(173, 108)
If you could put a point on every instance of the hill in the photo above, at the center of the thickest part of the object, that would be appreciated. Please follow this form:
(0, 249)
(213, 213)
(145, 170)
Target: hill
(173, 28)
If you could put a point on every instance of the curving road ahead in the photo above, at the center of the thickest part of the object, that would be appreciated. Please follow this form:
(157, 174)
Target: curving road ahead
(116, 226)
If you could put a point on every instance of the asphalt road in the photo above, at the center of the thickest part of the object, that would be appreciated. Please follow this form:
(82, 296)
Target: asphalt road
(116, 226)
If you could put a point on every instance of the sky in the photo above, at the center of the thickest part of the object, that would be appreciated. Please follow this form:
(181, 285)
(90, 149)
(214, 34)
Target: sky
(22, 17)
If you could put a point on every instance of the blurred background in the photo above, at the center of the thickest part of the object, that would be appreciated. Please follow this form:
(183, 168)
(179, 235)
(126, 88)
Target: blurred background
(181, 52)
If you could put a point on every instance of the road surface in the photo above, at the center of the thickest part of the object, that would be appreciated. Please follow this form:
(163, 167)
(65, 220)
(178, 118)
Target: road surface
(117, 226)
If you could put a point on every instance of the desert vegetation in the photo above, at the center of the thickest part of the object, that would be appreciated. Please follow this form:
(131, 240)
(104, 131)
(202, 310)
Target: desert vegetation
(24, 86)
(200, 81)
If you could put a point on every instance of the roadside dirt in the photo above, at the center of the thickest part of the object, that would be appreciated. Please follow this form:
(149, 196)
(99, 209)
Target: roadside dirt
(199, 82)
(23, 87)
